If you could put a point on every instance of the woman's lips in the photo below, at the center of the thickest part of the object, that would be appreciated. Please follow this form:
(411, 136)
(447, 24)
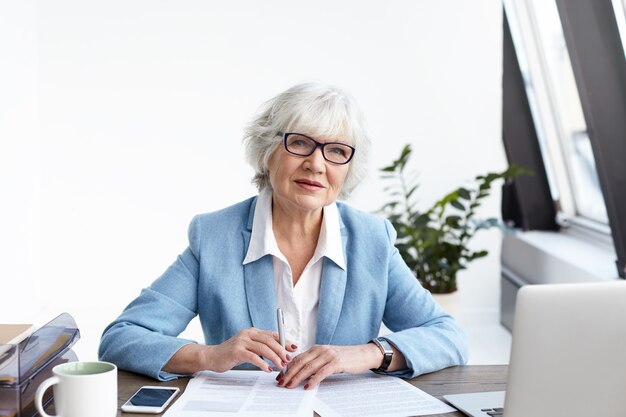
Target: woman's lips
(309, 185)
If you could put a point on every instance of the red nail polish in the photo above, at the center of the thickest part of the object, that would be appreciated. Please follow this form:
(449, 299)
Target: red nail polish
(283, 363)
(281, 382)
(294, 346)
(306, 386)
(269, 369)
(288, 357)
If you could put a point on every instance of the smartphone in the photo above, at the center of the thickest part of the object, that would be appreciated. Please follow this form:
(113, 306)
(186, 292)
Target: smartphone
(150, 400)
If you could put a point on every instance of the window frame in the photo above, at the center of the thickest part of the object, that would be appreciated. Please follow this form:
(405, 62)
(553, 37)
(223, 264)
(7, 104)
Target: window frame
(530, 194)
(599, 64)
(601, 83)
(549, 117)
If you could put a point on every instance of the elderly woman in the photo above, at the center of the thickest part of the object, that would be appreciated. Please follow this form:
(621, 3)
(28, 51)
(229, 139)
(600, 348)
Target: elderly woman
(332, 269)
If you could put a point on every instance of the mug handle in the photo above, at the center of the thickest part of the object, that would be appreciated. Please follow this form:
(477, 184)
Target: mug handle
(41, 390)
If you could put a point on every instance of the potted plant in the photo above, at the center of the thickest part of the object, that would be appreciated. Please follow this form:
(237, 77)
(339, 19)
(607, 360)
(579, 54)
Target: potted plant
(434, 242)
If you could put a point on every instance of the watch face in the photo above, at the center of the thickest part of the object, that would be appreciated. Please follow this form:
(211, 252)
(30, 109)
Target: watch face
(386, 345)
(387, 352)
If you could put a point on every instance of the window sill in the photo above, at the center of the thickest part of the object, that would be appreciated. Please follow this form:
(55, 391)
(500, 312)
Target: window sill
(539, 257)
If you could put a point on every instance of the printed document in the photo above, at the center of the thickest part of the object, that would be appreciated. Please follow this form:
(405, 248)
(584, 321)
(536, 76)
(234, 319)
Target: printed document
(371, 394)
(243, 394)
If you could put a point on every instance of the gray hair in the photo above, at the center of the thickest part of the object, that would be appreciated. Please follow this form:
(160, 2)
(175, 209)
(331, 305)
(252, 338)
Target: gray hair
(314, 109)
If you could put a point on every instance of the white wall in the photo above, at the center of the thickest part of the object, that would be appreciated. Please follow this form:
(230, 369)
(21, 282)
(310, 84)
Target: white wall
(20, 165)
(141, 110)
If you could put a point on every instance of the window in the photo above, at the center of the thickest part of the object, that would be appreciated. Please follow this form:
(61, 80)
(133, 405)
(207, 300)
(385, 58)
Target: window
(555, 104)
(565, 80)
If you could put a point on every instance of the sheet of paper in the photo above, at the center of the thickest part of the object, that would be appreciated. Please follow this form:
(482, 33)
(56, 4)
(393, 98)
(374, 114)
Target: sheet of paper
(243, 394)
(370, 394)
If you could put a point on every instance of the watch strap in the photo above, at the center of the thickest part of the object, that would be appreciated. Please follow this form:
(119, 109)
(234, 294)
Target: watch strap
(387, 351)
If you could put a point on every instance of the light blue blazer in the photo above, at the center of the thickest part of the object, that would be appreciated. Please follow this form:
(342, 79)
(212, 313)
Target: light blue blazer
(209, 280)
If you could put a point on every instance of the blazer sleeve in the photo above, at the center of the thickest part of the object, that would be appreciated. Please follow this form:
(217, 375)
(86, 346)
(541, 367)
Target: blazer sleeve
(144, 337)
(428, 337)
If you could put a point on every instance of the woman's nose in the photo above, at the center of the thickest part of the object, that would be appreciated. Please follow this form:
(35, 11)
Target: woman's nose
(316, 161)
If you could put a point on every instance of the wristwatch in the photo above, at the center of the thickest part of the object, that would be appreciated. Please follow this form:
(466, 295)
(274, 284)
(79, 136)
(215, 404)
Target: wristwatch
(385, 347)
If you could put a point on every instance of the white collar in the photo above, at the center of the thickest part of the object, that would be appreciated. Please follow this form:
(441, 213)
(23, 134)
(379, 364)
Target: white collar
(263, 242)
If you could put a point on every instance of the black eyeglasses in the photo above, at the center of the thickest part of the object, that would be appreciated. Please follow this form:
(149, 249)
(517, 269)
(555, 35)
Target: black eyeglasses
(303, 145)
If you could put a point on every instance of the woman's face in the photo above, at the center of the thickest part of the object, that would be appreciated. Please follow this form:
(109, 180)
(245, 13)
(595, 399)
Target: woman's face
(306, 183)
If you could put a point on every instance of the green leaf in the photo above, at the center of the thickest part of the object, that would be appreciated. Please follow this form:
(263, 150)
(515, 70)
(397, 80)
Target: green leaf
(457, 205)
(453, 222)
(448, 198)
(464, 194)
(491, 177)
(411, 191)
(406, 152)
(404, 158)
(421, 220)
(395, 220)
(515, 170)
(476, 255)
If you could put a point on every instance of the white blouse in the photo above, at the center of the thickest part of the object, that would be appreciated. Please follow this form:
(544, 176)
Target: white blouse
(300, 302)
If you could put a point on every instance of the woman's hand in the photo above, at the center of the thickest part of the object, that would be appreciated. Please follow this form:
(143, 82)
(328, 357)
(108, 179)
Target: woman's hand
(246, 346)
(320, 361)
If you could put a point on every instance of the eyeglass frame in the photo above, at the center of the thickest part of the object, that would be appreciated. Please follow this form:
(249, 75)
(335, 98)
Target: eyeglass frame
(317, 145)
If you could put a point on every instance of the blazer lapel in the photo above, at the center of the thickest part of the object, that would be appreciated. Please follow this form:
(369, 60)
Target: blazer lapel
(332, 292)
(259, 284)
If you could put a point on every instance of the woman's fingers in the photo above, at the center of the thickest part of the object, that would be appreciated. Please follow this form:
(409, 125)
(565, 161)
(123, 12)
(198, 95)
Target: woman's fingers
(313, 366)
(321, 361)
(257, 361)
(249, 345)
(264, 344)
(323, 373)
(269, 340)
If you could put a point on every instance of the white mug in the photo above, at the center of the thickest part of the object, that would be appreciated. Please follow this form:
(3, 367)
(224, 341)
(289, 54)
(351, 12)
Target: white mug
(81, 389)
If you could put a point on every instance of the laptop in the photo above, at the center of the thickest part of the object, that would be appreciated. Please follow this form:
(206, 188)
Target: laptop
(568, 356)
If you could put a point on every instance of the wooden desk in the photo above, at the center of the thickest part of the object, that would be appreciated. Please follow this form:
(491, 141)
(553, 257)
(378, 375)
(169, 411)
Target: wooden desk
(461, 379)
(455, 380)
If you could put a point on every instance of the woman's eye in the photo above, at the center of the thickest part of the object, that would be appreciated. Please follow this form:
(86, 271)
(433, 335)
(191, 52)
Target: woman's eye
(337, 150)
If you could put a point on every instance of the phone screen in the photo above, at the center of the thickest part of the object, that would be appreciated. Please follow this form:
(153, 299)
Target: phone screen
(149, 397)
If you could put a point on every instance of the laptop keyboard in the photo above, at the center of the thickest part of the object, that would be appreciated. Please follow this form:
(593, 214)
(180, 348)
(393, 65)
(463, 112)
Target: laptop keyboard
(493, 412)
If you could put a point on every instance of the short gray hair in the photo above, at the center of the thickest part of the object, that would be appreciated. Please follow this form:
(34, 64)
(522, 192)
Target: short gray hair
(314, 109)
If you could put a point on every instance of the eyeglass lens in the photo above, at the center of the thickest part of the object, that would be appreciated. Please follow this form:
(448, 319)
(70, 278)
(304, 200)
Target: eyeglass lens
(305, 146)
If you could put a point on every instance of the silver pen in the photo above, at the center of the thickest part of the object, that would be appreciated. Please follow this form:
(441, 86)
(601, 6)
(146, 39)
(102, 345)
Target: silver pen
(280, 319)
